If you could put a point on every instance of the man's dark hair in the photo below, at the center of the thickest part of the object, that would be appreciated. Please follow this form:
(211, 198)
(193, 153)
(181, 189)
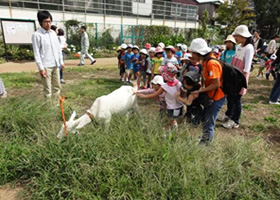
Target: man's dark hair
(42, 15)
(53, 27)
(84, 27)
(275, 36)
(60, 32)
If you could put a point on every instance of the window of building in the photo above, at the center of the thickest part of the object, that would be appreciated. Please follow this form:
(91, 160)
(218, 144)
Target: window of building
(140, 1)
(176, 9)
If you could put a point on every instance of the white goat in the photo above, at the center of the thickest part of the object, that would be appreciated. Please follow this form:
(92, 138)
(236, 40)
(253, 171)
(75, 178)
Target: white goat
(120, 101)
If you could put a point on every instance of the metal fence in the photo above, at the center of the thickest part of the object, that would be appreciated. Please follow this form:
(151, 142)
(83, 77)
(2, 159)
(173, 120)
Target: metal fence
(154, 9)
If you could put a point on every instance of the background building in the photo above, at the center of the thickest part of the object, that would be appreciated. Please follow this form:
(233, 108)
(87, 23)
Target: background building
(173, 13)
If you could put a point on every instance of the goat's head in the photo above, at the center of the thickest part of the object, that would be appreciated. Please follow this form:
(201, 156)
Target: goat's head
(70, 126)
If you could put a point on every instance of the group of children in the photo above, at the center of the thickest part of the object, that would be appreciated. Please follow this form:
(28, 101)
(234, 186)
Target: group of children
(168, 74)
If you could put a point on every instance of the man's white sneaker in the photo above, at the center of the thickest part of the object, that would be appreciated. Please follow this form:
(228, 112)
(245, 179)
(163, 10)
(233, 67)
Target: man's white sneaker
(230, 124)
(274, 103)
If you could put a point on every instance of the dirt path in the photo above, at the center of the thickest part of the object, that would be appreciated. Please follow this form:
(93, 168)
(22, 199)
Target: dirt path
(7, 193)
(31, 66)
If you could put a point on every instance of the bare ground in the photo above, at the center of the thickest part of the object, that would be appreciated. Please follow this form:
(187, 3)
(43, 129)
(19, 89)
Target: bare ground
(10, 193)
(24, 66)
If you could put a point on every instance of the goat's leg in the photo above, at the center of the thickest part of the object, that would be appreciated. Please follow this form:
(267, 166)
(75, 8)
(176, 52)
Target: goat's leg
(82, 121)
(136, 110)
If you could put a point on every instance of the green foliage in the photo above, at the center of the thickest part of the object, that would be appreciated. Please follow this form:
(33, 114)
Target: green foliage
(267, 17)
(234, 14)
(203, 31)
(106, 40)
(169, 36)
(73, 33)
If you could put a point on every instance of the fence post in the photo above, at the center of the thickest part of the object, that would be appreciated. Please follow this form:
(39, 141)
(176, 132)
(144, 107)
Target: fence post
(142, 35)
(96, 32)
(122, 40)
(132, 34)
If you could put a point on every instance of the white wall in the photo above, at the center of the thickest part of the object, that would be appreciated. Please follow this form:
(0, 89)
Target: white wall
(142, 8)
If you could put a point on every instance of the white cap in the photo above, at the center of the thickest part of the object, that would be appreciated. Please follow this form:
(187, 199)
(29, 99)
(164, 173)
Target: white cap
(123, 46)
(161, 44)
(129, 46)
(152, 49)
(273, 57)
(158, 80)
(243, 31)
(144, 51)
(187, 56)
(179, 45)
(231, 39)
(200, 46)
(135, 47)
(216, 50)
(184, 47)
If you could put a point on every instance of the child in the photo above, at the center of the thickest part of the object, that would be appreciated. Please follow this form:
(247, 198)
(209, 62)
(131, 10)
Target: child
(263, 59)
(63, 45)
(171, 87)
(3, 93)
(121, 63)
(151, 52)
(157, 61)
(162, 45)
(270, 68)
(179, 53)
(194, 113)
(170, 58)
(143, 67)
(184, 49)
(136, 65)
(194, 66)
(157, 82)
(148, 46)
(216, 53)
(185, 61)
(128, 64)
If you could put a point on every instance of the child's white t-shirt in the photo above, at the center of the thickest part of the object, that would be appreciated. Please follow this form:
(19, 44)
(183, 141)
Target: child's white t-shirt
(170, 96)
(172, 60)
(243, 58)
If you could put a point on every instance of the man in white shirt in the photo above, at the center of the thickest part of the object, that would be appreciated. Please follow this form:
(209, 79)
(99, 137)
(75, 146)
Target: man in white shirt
(48, 55)
(84, 47)
(271, 48)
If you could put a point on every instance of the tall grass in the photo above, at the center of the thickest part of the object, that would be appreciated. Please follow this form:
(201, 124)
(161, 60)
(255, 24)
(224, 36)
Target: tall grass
(130, 160)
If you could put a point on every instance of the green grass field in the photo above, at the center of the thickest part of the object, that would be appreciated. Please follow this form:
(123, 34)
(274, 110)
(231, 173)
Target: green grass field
(132, 159)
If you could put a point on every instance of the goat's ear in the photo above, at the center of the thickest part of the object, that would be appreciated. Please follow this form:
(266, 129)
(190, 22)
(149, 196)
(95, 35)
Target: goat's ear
(73, 116)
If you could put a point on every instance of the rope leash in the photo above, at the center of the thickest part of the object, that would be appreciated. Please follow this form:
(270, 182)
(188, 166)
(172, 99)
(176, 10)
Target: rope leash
(62, 113)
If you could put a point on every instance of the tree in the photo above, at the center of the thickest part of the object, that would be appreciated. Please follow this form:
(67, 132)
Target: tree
(230, 15)
(203, 32)
(267, 17)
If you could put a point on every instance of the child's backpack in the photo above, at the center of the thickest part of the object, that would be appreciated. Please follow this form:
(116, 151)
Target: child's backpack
(233, 79)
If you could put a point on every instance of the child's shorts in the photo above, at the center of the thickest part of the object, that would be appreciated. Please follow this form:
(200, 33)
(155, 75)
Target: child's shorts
(122, 70)
(128, 72)
(175, 113)
(135, 69)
